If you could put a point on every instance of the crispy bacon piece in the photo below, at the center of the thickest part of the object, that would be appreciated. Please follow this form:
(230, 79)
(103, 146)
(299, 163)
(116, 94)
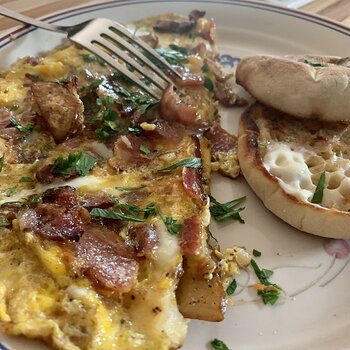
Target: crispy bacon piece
(195, 15)
(190, 235)
(106, 261)
(44, 175)
(52, 221)
(193, 184)
(97, 200)
(145, 238)
(11, 134)
(221, 140)
(179, 26)
(189, 80)
(5, 116)
(172, 109)
(65, 196)
(127, 153)
(60, 107)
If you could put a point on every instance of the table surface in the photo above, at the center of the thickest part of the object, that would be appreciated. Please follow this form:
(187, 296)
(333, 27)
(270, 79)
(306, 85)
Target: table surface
(338, 10)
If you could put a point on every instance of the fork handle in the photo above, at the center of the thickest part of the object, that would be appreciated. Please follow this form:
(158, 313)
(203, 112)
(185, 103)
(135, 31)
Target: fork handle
(28, 20)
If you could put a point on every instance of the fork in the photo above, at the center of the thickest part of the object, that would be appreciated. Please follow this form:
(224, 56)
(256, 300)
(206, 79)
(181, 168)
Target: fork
(111, 41)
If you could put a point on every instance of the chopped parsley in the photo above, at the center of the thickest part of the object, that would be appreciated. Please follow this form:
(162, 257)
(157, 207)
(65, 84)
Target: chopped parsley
(180, 49)
(93, 85)
(2, 160)
(33, 199)
(218, 345)
(26, 179)
(256, 253)
(24, 129)
(126, 212)
(111, 214)
(174, 57)
(270, 292)
(90, 58)
(191, 162)
(144, 149)
(135, 188)
(314, 63)
(318, 195)
(172, 226)
(205, 68)
(10, 191)
(208, 84)
(228, 210)
(136, 101)
(4, 222)
(232, 287)
(77, 162)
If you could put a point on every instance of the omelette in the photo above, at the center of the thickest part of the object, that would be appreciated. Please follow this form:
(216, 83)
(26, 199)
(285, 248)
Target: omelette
(104, 195)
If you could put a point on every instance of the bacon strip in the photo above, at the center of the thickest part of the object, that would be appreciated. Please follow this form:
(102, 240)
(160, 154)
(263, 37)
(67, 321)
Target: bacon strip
(127, 153)
(65, 196)
(51, 221)
(145, 238)
(221, 140)
(190, 235)
(106, 263)
(172, 109)
(192, 182)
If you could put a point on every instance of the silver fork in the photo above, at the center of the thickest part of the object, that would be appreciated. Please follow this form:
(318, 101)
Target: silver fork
(111, 41)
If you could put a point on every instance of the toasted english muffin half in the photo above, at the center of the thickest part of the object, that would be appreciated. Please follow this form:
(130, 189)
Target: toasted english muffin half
(282, 159)
(302, 86)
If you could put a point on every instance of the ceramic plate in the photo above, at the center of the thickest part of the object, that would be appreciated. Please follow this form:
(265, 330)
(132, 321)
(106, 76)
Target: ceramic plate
(314, 310)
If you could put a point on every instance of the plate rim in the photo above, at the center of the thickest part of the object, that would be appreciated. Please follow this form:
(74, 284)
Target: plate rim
(20, 30)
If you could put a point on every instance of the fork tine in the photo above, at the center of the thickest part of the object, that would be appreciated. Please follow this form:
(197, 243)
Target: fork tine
(146, 47)
(120, 67)
(137, 53)
(126, 58)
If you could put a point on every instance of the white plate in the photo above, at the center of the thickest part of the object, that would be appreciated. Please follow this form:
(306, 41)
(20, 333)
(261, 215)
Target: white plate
(314, 312)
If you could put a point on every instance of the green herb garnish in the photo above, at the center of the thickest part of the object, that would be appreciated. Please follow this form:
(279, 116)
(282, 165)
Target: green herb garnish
(314, 63)
(208, 84)
(318, 195)
(139, 101)
(174, 57)
(33, 199)
(24, 129)
(205, 68)
(4, 222)
(180, 49)
(172, 226)
(228, 210)
(256, 253)
(126, 212)
(26, 179)
(78, 162)
(89, 58)
(2, 160)
(218, 345)
(144, 149)
(191, 162)
(93, 85)
(232, 287)
(271, 294)
(10, 191)
(111, 214)
(135, 188)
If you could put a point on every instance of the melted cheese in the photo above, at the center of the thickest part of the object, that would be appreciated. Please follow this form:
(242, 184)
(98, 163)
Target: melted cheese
(290, 168)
